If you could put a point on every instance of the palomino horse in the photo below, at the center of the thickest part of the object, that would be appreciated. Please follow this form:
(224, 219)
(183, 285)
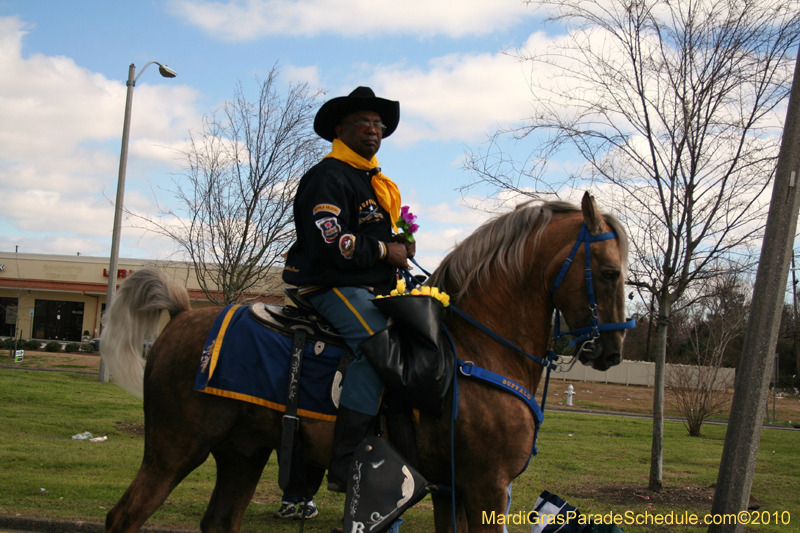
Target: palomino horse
(502, 275)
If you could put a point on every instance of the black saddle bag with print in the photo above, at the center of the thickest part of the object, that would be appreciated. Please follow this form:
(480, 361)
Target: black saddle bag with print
(413, 353)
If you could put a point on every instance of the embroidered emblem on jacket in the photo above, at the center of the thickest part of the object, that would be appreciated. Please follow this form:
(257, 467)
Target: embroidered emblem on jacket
(369, 213)
(329, 208)
(330, 228)
(347, 245)
(364, 205)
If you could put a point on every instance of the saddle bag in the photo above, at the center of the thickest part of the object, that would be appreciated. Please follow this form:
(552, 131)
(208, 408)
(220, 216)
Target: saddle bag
(413, 354)
(383, 485)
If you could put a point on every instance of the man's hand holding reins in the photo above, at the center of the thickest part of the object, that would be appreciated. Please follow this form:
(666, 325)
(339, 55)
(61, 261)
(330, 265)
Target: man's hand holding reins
(411, 247)
(397, 254)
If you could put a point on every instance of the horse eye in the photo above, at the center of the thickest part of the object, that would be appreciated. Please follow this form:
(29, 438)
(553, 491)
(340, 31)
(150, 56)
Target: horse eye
(610, 275)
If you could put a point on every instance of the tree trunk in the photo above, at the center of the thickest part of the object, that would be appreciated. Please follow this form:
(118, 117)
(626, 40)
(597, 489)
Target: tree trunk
(657, 451)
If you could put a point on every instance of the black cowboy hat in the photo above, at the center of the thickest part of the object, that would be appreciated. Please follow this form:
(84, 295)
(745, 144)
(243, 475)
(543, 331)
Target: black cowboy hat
(362, 99)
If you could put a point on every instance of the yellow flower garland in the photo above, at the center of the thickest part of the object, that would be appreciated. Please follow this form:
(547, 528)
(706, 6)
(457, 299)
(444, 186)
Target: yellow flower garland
(433, 292)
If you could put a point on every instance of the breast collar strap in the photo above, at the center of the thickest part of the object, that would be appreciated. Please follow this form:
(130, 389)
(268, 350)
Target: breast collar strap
(468, 369)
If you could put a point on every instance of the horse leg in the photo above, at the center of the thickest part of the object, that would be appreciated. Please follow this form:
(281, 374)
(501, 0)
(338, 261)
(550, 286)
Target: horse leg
(237, 478)
(153, 483)
(443, 514)
(485, 508)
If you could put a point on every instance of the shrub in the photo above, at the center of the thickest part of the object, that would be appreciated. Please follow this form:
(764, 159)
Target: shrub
(32, 344)
(86, 347)
(52, 346)
(72, 347)
(9, 344)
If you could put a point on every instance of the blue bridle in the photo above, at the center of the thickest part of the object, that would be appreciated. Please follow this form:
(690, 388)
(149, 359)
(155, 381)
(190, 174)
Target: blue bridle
(590, 334)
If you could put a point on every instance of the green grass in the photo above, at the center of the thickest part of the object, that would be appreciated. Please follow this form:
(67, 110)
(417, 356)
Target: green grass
(580, 456)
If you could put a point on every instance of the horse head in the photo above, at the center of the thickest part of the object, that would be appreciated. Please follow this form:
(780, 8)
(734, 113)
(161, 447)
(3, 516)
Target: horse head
(591, 297)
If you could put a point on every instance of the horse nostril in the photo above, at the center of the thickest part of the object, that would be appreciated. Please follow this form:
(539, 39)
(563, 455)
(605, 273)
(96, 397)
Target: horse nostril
(605, 363)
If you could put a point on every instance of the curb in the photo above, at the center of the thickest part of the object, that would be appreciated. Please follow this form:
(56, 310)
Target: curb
(47, 525)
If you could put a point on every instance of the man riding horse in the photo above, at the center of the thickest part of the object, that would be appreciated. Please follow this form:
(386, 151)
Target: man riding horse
(348, 250)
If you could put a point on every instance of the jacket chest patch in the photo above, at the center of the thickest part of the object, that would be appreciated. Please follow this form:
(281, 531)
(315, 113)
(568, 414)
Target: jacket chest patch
(368, 213)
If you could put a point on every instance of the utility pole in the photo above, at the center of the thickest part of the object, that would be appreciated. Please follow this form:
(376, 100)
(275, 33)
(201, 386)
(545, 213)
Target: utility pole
(735, 478)
(796, 319)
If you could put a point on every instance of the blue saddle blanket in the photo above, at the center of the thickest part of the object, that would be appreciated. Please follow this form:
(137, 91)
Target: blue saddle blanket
(245, 360)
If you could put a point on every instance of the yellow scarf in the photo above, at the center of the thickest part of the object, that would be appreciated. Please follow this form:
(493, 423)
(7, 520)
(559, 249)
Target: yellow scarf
(385, 189)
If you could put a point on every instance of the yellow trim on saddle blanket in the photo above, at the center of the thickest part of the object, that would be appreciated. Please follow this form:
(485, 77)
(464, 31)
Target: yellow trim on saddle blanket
(265, 403)
(218, 342)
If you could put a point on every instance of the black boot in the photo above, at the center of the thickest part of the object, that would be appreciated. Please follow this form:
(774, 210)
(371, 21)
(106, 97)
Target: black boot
(351, 428)
(400, 425)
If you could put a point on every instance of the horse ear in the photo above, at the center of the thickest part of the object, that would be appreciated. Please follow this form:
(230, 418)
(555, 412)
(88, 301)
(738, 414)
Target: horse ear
(591, 215)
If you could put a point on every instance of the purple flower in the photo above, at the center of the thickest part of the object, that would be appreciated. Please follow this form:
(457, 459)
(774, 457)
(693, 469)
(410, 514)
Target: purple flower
(407, 216)
(406, 222)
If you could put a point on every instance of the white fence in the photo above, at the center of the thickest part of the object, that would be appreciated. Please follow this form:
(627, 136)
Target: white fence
(630, 373)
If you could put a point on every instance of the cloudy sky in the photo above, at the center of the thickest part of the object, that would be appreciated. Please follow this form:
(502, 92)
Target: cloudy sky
(62, 98)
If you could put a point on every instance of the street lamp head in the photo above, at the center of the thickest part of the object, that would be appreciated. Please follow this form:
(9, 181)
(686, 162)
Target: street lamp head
(166, 71)
(163, 69)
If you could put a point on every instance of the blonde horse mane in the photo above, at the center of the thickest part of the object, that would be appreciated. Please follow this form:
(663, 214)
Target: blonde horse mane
(499, 245)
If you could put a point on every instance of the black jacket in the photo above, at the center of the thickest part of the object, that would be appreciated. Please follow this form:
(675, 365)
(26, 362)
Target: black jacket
(342, 231)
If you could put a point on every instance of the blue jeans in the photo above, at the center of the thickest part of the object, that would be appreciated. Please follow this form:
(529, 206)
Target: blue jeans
(351, 311)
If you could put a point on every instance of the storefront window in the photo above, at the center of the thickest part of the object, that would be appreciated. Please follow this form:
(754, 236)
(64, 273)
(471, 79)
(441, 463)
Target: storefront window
(8, 316)
(55, 320)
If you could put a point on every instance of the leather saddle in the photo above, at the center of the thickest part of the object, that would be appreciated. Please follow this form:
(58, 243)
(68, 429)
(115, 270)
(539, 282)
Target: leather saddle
(288, 319)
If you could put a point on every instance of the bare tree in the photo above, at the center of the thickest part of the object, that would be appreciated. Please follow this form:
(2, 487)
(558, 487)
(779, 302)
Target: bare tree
(718, 318)
(675, 104)
(234, 216)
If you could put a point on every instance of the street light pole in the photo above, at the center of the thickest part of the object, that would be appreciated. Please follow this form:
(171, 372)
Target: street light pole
(123, 165)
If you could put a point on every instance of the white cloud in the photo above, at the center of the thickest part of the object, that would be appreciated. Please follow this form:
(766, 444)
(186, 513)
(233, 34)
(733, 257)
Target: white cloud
(45, 211)
(447, 213)
(308, 75)
(60, 132)
(246, 20)
(51, 108)
(461, 97)
(444, 226)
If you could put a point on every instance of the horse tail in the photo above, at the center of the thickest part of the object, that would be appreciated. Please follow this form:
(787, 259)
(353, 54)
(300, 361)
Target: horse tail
(134, 316)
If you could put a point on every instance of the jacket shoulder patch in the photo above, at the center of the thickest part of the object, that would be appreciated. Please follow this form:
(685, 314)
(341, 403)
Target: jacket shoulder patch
(347, 245)
(328, 208)
(329, 227)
